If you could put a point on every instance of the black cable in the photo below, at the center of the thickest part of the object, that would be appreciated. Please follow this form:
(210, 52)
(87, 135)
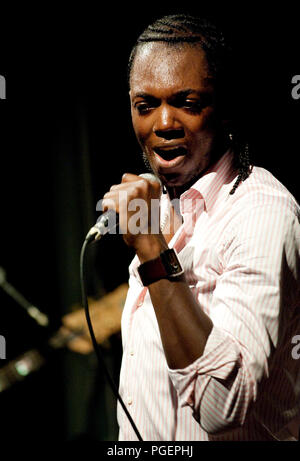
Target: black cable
(94, 341)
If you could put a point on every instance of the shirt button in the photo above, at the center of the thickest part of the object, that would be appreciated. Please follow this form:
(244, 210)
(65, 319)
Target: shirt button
(129, 401)
(131, 352)
(140, 303)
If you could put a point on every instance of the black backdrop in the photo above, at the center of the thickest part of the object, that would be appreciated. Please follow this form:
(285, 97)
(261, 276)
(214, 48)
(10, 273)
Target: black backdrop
(65, 137)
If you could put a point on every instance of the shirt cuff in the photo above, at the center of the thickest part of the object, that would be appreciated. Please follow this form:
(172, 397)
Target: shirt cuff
(221, 355)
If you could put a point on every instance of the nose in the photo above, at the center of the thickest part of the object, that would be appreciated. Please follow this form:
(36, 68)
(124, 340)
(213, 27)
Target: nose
(166, 124)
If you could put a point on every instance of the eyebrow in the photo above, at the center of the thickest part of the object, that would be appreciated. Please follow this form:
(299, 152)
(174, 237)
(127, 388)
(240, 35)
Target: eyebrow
(179, 94)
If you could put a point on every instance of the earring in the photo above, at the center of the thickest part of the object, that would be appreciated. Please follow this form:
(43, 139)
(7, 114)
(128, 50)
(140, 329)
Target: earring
(230, 135)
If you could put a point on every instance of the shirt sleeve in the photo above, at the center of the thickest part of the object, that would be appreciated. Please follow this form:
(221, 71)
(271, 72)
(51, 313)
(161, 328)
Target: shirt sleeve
(256, 293)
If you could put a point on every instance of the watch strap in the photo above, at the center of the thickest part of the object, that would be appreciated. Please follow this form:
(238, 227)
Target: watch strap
(166, 265)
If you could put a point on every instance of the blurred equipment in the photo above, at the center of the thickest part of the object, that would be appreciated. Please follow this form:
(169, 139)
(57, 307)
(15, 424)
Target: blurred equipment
(106, 313)
(31, 310)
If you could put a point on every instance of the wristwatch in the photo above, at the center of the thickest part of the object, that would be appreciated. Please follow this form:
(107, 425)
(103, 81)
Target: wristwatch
(165, 266)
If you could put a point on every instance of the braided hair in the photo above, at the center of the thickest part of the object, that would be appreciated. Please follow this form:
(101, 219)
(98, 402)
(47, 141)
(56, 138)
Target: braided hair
(179, 29)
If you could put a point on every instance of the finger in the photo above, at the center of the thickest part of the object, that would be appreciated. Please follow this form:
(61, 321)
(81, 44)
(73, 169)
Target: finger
(129, 177)
(155, 185)
(120, 194)
(110, 201)
(125, 185)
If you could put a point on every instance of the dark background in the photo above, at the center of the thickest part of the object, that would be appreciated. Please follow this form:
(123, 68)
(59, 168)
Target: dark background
(65, 137)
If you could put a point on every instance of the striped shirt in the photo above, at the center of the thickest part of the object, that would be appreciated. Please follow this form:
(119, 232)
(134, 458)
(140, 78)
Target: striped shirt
(240, 254)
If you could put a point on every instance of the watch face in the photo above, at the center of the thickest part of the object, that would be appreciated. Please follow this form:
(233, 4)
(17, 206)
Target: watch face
(171, 263)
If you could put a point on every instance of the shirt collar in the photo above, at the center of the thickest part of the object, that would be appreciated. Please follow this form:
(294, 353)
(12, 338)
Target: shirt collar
(209, 185)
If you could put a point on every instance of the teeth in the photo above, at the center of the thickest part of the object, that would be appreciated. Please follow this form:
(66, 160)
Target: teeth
(169, 154)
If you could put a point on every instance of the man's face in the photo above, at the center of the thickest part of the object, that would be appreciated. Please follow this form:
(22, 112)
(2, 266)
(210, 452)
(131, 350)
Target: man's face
(173, 111)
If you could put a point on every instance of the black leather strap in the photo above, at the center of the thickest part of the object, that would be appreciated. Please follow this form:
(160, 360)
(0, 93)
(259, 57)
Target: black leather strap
(165, 266)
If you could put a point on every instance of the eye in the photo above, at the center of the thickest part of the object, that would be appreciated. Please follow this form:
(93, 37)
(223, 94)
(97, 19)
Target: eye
(193, 105)
(142, 107)
(187, 103)
(145, 104)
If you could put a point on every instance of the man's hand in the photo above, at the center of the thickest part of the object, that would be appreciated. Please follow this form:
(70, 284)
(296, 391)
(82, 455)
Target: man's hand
(133, 201)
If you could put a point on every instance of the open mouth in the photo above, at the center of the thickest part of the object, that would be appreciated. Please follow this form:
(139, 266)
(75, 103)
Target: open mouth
(170, 153)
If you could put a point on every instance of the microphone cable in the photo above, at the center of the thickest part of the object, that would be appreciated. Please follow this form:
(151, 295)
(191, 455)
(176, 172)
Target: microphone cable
(99, 356)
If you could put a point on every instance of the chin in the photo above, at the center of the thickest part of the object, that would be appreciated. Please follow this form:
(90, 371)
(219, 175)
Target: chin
(180, 179)
(173, 179)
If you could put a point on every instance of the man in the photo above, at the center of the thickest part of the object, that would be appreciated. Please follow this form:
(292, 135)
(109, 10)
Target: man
(207, 338)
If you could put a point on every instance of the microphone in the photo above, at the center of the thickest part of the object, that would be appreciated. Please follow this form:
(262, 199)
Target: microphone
(108, 221)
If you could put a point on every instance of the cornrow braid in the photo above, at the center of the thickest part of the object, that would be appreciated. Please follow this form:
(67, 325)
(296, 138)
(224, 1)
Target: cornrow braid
(243, 163)
(180, 29)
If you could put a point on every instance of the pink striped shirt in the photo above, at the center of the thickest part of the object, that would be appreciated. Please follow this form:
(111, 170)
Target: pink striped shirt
(240, 254)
